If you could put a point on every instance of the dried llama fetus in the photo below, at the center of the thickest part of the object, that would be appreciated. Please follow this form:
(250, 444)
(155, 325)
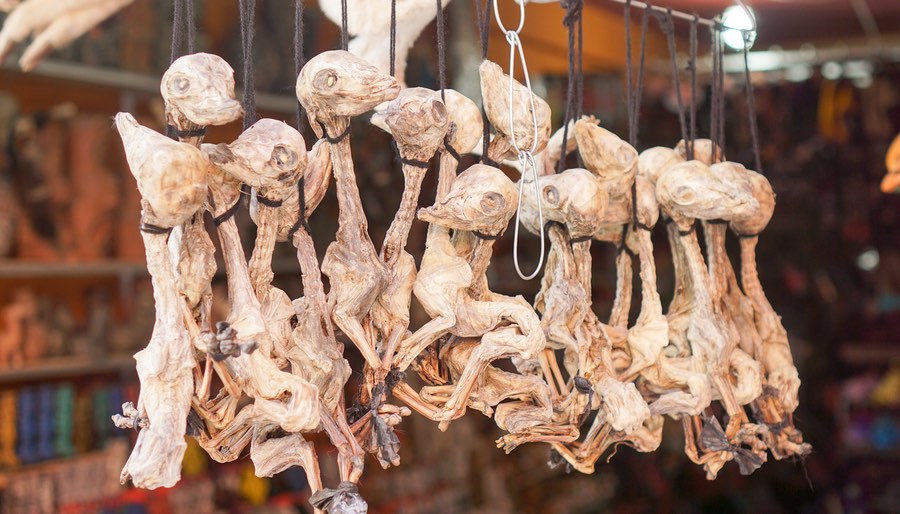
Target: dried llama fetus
(172, 180)
(615, 162)
(280, 398)
(333, 86)
(481, 200)
(419, 122)
(495, 91)
(685, 192)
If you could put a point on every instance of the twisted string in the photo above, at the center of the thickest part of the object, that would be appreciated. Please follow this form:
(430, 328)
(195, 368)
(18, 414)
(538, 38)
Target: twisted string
(393, 37)
(717, 99)
(248, 8)
(666, 24)
(751, 106)
(692, 67)
(183, 29)
(635, 88)
(572, 21)
(299, 59)
(344, 35)
(633, 95)
(483, 11)
(441, 48)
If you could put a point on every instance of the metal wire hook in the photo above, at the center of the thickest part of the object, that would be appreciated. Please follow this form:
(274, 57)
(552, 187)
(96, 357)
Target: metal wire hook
(521, 18)
(526, 160)
(526, 157)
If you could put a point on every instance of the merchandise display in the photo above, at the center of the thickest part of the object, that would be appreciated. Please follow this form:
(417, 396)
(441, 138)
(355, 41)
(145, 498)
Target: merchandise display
(480, 284)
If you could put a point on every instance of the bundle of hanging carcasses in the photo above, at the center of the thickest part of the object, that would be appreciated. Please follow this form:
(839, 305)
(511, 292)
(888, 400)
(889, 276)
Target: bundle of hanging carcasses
(582, 384)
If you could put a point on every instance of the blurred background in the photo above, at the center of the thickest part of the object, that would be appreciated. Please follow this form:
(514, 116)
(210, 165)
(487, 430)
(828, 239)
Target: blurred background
(76, 302)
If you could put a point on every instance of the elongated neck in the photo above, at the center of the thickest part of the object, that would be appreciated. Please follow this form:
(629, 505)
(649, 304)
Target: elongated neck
(260, 268)
(650, 302)
(398, 233)
(714, 233)
(479, 262)
(446, 175)
(697, 270)
(750, 275)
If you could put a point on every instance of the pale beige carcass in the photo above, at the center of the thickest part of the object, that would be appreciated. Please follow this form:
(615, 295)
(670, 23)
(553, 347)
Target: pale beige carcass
(517, 129)
(334, 86)
(418, 121)
(172, 180)
(481, 200)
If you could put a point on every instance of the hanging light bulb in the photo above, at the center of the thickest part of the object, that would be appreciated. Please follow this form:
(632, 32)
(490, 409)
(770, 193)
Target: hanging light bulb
(737, 19)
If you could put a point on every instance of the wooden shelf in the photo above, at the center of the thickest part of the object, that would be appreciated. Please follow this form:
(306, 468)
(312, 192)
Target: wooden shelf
(66, 367)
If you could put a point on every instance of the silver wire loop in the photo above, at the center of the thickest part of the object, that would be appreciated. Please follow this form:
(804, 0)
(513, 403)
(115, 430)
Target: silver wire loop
(526, 161)
(526, 156)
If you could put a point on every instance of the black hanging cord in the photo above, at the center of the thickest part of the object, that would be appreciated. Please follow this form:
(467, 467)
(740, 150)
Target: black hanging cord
(635, 87)
(484, 26)
(299, 59)
(183, 30)
(393, 37)
(666, 24)
(248, 8)
(751, 105)
(692, 67)
(717, 98)
(441, 48)
(633, 94)
(344, 35)
(190, 28)
(572, 21)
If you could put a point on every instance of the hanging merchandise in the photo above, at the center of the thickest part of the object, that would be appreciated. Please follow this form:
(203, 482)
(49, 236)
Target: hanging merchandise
(273, 372)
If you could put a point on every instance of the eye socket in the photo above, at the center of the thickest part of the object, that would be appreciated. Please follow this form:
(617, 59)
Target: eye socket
(684, 195)
(492, 202)
(325, 79)
(179, 84)
(551, 195)
(284, 157)
(438, 111)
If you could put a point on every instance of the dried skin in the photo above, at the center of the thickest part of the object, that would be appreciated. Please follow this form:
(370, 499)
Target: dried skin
(53, 23)
(775, 352)
(164, 369)
(171, 176)
(199, 91)
(282, 398)
(518, 127)
(369, 22)
(481, 199)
